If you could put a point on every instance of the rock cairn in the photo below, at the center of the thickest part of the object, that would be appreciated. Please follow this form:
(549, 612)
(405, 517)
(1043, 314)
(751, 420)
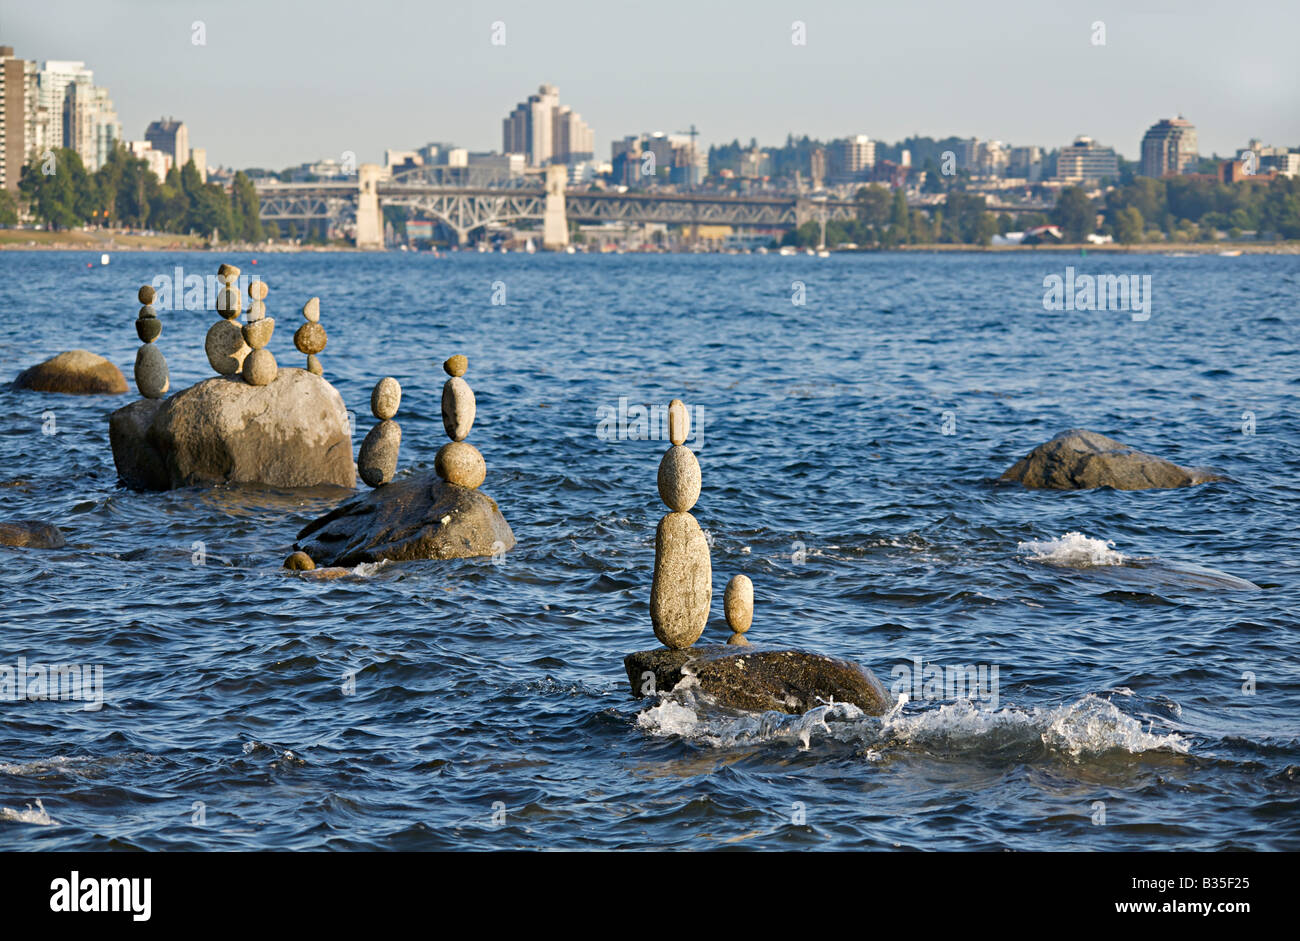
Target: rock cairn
(377, 462)
(260, 368)
(738, 602)
(225, 344)
(311, 338)
(458, 461)
(151, 376)
(683, 577)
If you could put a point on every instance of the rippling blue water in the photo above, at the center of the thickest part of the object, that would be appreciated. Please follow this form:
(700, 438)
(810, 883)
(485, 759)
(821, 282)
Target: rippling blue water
(868, 533)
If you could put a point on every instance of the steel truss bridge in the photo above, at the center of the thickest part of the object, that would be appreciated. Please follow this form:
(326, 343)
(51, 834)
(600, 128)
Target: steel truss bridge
(465, 199)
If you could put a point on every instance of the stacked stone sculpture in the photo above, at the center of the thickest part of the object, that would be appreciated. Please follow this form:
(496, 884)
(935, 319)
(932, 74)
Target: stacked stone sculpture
(311, 338)
(225, 344)
(151, 376)
(458, 461)
(377, 462)
(738, 602)
(683, 576)
(260, 368)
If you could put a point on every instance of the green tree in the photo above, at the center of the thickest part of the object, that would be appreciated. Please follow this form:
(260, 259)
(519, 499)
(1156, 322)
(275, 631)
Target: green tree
(1074, 214)
(8, 208)
(898, 218)
(1129, 225)
(246, 209)
(873, 204)
(63, 199)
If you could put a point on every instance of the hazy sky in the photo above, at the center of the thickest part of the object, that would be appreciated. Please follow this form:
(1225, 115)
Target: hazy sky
(280, 83)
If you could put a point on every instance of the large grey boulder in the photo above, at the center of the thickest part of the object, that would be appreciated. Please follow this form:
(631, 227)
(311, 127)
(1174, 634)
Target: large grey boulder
(77, 372)
(292, 432)
(30, 534)
(791, 681)
(1080, 460)
(419, 517)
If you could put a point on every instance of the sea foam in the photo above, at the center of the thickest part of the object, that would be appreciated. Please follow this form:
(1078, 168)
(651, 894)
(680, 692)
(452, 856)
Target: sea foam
(1073, 549)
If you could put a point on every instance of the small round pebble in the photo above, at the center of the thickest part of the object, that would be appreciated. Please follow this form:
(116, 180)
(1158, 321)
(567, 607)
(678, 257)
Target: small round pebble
(260, 368)
(258, 333)
(256, 311)
(738, 640)
(456, 365)
(225, 347)
(227, 273)
(299, 562)
(146, 294)
(148, 311)
(228, 303)
(257, 290)
(314, 366)
(459, 462)
(310, 338)
(148, 329)
(386, 398)
(311, 310)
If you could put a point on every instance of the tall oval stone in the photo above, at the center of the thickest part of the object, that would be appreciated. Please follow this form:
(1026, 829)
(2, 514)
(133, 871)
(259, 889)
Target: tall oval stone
(386, 398)
(225, 347)
(310, 338)
(738, 603)
(679, 422)
(377, 462)
(679, 478)
(151, 376)
(228, 302)
(457, 408)
(683, 581)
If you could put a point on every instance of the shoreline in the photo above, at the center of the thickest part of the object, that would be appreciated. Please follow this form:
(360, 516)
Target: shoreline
(34, 241)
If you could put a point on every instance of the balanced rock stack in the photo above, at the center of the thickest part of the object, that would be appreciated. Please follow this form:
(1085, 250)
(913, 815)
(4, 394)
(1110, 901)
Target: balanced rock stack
(311, 339)
(225, 344)
(683, 577)
(458, 461)
(260, 368)
(151, 376)
(738, 602)
(377, 461)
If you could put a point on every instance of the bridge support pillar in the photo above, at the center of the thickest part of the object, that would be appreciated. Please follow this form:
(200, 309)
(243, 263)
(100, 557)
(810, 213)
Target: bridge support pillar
(555, 222)
(370, 221)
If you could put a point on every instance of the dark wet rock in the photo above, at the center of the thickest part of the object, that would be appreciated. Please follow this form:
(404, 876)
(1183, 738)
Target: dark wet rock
(76, 372)
(292, 432)
(742, 677)
(1080, 460)
(420, 517)
(30, 534)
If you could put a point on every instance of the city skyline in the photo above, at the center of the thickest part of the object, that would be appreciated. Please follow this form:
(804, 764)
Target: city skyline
(1027, 76)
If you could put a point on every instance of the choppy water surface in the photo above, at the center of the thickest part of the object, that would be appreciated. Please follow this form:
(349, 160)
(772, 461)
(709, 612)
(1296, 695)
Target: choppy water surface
(1120, 624)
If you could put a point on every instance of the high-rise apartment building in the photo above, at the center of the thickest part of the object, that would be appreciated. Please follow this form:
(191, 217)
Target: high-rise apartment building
(13, 118)
(90, 125)
(850, 157)
(544, 132)
(1086, 161)
(171, 137)
(1169, 147)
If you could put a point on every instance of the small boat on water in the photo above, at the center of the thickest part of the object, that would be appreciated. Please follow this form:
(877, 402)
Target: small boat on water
(1231, 253)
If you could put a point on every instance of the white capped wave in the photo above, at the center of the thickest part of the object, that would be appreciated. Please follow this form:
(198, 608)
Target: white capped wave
(1087, 726)
(37, 815)
(1073, 549)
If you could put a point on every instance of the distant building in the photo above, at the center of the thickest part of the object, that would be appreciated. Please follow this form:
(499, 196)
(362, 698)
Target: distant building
(52, 81)
(159, 162)
(545, 132)
(1169, 148)
(13, 118)
(171, 137)
(817, 167)
(990, 158)
(1026, 162)
(90, 124)
(851, 158)
(1086, 161)
(1286, 164)
(200, 157)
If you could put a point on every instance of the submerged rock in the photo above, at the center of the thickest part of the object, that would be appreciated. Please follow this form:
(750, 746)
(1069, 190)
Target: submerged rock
(76, 372)
(1080, 460)
(419, 517)
(740, 677)
(292, 432)
(30, 534)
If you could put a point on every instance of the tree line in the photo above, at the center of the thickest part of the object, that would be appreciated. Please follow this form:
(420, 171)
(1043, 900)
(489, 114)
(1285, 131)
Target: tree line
(124, 192)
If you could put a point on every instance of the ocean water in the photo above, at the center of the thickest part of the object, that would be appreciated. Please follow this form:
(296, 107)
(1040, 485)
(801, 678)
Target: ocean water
(1140, 651)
